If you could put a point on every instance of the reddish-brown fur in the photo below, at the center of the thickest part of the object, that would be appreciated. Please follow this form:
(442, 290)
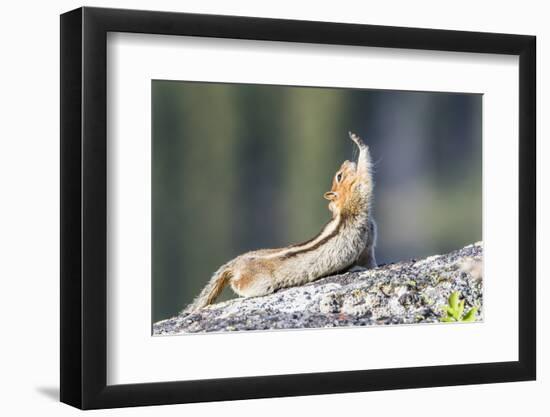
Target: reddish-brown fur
(342, 196)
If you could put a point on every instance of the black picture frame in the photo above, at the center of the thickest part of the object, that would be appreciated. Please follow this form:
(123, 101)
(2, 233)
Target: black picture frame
(84, 207)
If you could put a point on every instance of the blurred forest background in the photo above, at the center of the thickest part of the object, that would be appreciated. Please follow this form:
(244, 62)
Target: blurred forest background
(238, 167)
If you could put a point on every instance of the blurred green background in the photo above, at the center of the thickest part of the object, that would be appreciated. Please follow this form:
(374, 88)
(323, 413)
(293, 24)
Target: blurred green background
(238, 167)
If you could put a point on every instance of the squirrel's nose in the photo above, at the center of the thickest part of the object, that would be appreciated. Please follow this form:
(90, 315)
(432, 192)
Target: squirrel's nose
(330, 195)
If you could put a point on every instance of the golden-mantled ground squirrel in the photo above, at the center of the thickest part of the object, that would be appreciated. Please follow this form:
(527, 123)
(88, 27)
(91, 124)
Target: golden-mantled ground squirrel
(347, 240)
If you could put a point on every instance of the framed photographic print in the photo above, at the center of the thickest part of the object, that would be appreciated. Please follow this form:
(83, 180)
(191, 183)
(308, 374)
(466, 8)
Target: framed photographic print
(258, 207)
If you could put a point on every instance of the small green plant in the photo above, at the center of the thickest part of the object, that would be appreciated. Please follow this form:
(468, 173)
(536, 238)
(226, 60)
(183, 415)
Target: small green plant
(455, 309)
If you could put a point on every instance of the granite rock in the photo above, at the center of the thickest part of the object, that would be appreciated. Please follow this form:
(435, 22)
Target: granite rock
(407, 292)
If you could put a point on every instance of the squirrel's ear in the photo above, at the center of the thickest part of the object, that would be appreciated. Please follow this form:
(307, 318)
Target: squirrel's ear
(330, 195)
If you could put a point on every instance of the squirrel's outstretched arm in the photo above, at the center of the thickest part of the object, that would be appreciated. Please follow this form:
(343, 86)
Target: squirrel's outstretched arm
(364, 160)
(367, 258)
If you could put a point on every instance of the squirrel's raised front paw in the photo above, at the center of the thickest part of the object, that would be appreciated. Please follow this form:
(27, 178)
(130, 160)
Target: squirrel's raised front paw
(358, 141)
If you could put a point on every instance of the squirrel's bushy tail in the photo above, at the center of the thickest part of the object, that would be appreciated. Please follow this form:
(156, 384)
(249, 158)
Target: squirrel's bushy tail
(211, 291)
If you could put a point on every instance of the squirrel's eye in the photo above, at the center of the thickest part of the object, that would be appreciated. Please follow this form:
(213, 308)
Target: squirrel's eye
(339, 177)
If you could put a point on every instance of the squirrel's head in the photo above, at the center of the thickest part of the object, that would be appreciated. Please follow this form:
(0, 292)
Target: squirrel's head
(343, 186)
(352, 183)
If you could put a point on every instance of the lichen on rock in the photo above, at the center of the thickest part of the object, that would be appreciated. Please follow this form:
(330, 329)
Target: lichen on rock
(408, 292)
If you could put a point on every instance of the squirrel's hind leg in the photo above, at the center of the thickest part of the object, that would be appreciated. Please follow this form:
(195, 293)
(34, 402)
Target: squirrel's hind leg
(367, 259)
(249, 284)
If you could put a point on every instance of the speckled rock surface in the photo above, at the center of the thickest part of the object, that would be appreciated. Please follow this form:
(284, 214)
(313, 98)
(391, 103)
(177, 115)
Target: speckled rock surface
(414, 291)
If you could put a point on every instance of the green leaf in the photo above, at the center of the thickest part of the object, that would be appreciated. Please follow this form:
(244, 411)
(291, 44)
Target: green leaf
(453, 313)
(460, 308)
(453, 300)
(447, 319)
(470, 315)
